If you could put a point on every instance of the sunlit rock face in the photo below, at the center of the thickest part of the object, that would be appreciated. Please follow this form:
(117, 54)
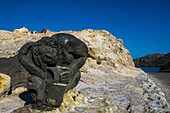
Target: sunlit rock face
(109, 81)
(105, 48)
(4, 85)
(22, 31)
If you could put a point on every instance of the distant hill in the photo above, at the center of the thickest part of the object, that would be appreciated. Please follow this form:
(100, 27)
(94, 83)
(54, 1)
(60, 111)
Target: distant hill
(146, 61)
(154, 60)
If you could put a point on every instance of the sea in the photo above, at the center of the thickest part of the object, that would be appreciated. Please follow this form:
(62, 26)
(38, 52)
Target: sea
(150, 69)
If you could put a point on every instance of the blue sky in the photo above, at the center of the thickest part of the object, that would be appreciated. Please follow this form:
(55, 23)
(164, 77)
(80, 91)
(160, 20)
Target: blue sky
(144, 25)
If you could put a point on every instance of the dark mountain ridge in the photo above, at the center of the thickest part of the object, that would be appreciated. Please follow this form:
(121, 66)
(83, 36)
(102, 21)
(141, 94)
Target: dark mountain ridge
(154, 60)
(146, 61)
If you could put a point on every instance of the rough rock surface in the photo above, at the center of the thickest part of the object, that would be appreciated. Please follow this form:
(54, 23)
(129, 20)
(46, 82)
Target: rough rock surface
(11, 103)
(22, 31)
(5, 83)
(162, 80)
(109, 84)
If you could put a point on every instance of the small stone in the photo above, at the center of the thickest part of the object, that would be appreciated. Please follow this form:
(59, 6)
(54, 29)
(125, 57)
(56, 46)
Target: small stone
(114, 108)
(161, 93)
(80, 109)
(138, 90)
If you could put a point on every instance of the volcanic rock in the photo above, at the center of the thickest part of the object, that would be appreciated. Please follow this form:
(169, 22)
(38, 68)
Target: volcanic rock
(109, 83)
(5, 83)
(22, 30)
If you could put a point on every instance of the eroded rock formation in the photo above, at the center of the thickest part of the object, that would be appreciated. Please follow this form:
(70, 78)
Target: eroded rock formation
(109, 82)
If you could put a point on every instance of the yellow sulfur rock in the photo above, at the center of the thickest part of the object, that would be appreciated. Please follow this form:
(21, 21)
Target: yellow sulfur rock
(71, 99)
(92, 53)
(85, 68)
(19, 90)
(4, 84)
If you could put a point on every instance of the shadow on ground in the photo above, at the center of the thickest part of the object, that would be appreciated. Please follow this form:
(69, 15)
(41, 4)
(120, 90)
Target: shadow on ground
(26, 96)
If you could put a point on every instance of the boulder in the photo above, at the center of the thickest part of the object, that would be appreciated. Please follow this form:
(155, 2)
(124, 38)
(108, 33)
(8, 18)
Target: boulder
(22, 30)
(109, 83)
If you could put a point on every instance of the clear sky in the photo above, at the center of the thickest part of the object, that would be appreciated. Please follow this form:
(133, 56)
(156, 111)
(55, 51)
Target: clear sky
(144, 25)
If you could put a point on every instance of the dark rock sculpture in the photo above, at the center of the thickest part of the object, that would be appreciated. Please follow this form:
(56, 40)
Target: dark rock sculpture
(54, 64)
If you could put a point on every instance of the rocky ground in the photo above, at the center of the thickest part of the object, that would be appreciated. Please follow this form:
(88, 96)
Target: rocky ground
(163, 81)
(109, 84)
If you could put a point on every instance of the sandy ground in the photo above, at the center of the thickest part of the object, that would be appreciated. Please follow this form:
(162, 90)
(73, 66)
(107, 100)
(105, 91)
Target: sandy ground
(163, 81)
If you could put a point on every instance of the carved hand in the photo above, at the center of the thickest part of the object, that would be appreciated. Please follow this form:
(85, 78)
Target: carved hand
(65, 75)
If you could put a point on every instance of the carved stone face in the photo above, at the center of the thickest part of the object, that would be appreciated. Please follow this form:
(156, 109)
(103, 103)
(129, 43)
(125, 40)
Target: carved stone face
(48, 54)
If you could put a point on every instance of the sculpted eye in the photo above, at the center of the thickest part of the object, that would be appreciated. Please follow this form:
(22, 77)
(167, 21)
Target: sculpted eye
(48, 56)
